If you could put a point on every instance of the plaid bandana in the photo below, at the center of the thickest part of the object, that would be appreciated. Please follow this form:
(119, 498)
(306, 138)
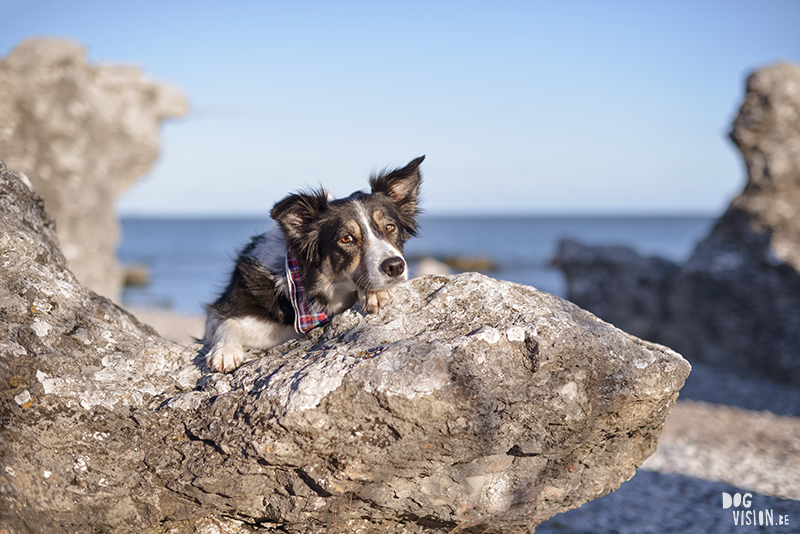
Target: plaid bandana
(305, 318)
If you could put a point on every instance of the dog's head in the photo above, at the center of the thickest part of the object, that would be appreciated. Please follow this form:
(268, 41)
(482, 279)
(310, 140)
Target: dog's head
(359, 238)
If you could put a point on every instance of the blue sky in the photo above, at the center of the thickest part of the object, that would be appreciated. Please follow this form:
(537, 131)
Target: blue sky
(521, 107)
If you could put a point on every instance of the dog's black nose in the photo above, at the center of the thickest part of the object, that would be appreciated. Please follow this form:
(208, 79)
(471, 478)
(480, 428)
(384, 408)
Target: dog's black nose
(393, 267)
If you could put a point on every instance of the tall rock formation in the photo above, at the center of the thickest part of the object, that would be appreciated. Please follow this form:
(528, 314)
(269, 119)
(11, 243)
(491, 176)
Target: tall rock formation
(736, 302)
(468, 404)
(82, 134)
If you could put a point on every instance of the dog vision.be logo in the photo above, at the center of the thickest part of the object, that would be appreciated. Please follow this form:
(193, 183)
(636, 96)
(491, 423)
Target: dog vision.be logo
(742, 515)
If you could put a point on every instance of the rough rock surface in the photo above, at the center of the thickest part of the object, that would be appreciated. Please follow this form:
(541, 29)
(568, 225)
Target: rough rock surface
(736, 302)
(467, 404)
(82, 134)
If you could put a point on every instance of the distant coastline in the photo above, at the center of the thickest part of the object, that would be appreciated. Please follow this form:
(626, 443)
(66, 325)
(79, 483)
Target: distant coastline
(189, 258)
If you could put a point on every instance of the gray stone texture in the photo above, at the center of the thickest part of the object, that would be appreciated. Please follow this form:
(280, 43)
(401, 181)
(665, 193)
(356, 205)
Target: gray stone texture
(82, 134)
(467, 404)
(735, 303)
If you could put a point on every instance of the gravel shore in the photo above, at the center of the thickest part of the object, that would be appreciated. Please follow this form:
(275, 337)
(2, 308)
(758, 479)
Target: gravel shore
(180, 328)
(726, 434)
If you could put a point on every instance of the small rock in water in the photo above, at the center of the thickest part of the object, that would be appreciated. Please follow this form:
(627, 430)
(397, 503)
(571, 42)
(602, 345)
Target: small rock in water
(136, 275)
(431, 266)
(466, 263)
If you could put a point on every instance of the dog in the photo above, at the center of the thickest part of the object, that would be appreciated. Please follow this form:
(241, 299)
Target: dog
(321, 257)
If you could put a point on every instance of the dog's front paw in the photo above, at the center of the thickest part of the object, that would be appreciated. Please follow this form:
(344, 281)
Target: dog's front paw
(225, 357)
(372, 301)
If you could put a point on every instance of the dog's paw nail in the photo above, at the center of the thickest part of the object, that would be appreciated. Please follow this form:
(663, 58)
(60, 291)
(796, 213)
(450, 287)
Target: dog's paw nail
(383, 297)
(225, 359)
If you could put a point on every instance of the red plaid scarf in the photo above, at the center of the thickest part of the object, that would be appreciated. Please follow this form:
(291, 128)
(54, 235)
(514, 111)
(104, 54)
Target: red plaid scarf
(305, 318)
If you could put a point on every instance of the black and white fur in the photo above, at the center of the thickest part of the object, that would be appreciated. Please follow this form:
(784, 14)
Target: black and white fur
(348, 249)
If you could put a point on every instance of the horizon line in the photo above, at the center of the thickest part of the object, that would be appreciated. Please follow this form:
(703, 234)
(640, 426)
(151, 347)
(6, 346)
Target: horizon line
(566, 214)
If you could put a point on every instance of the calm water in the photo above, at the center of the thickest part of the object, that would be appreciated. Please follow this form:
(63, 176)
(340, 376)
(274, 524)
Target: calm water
(191, 259)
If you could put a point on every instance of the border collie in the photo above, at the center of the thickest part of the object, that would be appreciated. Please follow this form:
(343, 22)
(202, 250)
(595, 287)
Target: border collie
(321, 256)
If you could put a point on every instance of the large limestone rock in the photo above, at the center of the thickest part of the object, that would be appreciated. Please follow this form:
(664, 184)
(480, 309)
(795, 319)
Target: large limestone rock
(82, 134)
(467, 404)
(736, 301)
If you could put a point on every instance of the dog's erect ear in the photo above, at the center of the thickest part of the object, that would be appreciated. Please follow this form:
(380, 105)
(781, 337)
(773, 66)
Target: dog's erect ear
(402, 186)
(297, 210)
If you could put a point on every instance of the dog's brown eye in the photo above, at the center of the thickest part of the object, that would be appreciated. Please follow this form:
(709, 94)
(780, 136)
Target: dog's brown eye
(389, 228)
(346, 239)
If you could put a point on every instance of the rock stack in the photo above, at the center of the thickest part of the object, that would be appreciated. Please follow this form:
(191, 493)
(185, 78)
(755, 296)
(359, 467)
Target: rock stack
(82, 134)
(735, 303)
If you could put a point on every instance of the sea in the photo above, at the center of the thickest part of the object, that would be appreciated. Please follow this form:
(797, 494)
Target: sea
(190, 260)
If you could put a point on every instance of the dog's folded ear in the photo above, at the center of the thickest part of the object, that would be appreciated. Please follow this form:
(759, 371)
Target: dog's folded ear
(402, 186)
(296, 211)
